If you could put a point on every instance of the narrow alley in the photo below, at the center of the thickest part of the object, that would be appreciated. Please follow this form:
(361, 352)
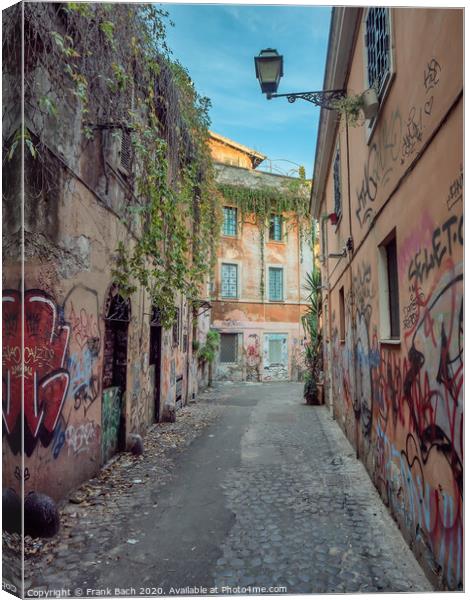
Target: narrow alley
(269, 494)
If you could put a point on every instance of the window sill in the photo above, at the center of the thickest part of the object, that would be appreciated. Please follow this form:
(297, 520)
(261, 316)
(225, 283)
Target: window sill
(391, 342)
(230, 237)
(276, 301)
(372, 123)
(277, 242)
(340, 216)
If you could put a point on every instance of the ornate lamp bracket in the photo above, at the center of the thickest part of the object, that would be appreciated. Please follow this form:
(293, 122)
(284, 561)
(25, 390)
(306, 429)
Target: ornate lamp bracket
(323, 99)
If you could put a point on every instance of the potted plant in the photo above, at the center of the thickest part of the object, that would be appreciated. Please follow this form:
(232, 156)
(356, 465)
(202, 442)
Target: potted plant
(313, 387)
(358, 107)
(370, 102)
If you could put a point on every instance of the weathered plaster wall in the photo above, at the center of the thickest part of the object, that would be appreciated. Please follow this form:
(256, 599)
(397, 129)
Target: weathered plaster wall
(401, 404)
(71, 422)
(225, 154)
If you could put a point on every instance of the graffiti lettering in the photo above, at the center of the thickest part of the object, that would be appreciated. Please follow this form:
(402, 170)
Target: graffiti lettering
(413, 132)
(19, 474)
(444, 239)
(79, 439)
(411, 311)
(455, 191)
(392, 139)
(431, 74)
(45, 379)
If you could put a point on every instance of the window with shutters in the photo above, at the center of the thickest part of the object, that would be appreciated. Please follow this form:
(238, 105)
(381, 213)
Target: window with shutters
(275, 351)
(229, 280)
(125, 154)
(275, 228)
(228, 347)
(378, 47)
(276, 291)
(230, 221)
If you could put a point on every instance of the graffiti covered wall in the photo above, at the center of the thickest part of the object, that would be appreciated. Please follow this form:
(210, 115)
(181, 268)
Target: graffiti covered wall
(400, 401)
(74, 419)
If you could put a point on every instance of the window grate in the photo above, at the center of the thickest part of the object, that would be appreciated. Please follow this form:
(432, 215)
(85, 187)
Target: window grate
(377, 41)
(126, 149)
(229, 281)
(337, 183)
(228, 347)
(230, 221)
(275, 283)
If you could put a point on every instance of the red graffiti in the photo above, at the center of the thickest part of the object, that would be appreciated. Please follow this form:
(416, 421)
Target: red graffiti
(43, 375)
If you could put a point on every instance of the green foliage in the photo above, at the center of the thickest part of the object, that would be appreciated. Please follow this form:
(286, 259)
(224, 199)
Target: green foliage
(110, 65)
(351, 108)
(257, 205)
(311, 325)
(207, 353)
(26, 137)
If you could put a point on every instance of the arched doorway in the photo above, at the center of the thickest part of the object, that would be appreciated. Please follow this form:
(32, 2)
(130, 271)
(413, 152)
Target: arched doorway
(113, 422)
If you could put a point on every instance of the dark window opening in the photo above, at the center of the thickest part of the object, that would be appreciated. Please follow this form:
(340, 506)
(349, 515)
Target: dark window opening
(342, 323)
(392, 274)
(228, 347)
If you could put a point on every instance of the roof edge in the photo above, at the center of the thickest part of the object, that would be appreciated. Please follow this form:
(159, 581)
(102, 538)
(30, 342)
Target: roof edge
(344, 25)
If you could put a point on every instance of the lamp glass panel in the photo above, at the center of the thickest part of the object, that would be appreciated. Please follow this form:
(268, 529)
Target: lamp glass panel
(269, 70)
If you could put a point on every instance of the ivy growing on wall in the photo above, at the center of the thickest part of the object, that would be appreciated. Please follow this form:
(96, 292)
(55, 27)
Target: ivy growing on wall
(258, 204)
(110, 66)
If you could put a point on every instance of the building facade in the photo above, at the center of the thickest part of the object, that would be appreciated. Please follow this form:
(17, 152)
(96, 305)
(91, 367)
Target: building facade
(98, 366)
(258, 297)
(388, 196)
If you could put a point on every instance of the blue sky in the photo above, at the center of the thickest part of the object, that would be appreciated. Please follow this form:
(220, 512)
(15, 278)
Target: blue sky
(217, 43)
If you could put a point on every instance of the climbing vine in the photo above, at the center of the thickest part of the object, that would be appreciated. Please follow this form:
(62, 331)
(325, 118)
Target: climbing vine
(258, 204)
(110, 66)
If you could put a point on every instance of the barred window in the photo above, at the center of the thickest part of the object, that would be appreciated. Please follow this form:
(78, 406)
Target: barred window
(230, 221)
(377, 42)
(229, 280)
(275, 283)
(228, 347)
(275, 228)
(337, 182)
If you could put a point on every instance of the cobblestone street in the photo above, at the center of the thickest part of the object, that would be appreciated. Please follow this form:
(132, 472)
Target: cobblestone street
(269, 494)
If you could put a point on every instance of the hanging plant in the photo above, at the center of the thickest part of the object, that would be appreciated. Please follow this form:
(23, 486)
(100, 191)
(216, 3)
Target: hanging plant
(356, 108)
(351, 108)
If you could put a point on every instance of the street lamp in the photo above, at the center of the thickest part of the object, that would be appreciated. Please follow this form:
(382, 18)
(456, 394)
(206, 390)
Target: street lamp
(269, 70)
